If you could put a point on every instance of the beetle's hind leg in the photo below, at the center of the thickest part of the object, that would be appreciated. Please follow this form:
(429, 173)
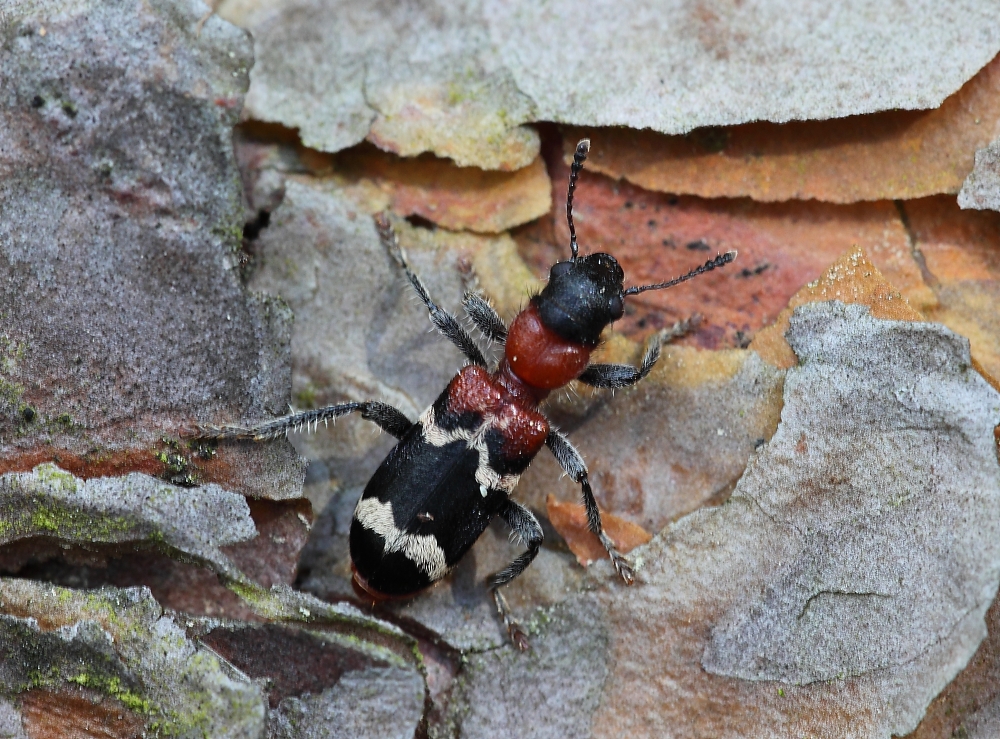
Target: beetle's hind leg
(385, 416)
(443, 321)
(523, 523)
(570, 460)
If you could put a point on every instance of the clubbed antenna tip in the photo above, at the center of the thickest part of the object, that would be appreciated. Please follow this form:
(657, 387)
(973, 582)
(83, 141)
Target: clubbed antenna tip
(719, 261)
(579, 157)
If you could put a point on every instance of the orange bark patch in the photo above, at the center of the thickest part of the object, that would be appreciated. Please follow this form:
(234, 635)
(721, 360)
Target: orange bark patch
(236, 466)
(961, 263)
(781, 247)
(851, 279)
(49, 715)
(457, 198)
(570, 520)
(86, 466)
(961, 249)
(891, 155)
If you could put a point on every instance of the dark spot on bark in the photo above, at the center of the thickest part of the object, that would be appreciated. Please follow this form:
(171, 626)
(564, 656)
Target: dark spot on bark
(755, 271)
(421, 222)
(712, 139)
(252, 230)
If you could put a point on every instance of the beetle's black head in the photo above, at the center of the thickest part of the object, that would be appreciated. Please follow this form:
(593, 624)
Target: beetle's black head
(585, 294)
(582, 297)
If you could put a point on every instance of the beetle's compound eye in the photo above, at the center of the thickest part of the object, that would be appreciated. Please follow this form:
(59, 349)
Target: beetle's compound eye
(616, 307)
(559, 269)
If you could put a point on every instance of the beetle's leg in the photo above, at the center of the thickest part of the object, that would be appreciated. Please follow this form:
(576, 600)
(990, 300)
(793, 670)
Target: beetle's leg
(523, 523)
(385, 416)
(486, 319)
(616, 376)
(443, 321)
(570, 460)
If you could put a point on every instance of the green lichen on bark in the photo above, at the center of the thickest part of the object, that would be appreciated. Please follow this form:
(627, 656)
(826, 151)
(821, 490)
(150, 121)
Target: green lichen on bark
(136, 509)
(119, 643)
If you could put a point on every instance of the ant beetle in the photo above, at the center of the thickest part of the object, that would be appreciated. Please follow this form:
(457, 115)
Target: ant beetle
(456, 467)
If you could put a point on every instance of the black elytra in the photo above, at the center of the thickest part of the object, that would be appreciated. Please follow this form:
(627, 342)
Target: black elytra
(455, 468)
(429, 481)
(420, 478)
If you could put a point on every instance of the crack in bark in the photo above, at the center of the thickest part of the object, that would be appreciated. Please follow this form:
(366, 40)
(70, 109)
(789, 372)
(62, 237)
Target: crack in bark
(771, 517)
(915, 252)
(849, 593)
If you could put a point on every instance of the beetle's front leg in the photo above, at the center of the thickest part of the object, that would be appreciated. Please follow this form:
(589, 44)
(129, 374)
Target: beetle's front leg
(443, 321)
(485, 317)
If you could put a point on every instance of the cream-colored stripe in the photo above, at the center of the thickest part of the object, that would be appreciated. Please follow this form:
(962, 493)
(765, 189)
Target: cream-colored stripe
(421, 549)
(486, 476)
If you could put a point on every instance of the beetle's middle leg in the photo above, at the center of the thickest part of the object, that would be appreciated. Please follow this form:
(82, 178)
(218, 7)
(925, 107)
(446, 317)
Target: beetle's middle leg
(523, 523)
(385, 416)
(443, 321)
(570, 460)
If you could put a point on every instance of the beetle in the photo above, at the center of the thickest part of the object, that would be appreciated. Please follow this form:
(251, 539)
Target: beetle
(454, 469)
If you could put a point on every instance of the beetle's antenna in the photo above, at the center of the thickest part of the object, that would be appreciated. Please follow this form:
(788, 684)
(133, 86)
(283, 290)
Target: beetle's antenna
(579, 157)
(719, 261)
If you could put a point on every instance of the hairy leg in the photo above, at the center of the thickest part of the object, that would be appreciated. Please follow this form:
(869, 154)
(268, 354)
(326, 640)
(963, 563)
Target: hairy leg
(523, 523)
(385, 416)
(616, 376)
(443, 321)
(570, 460)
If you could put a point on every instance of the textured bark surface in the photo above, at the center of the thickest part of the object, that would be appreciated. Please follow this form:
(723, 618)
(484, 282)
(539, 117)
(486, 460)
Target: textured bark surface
(897, 154)
(807, 482)
(462, 79)
(120, 218)
(824, 597)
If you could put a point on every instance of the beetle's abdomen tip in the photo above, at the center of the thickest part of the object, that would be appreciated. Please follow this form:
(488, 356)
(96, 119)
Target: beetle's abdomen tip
(362, 589)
